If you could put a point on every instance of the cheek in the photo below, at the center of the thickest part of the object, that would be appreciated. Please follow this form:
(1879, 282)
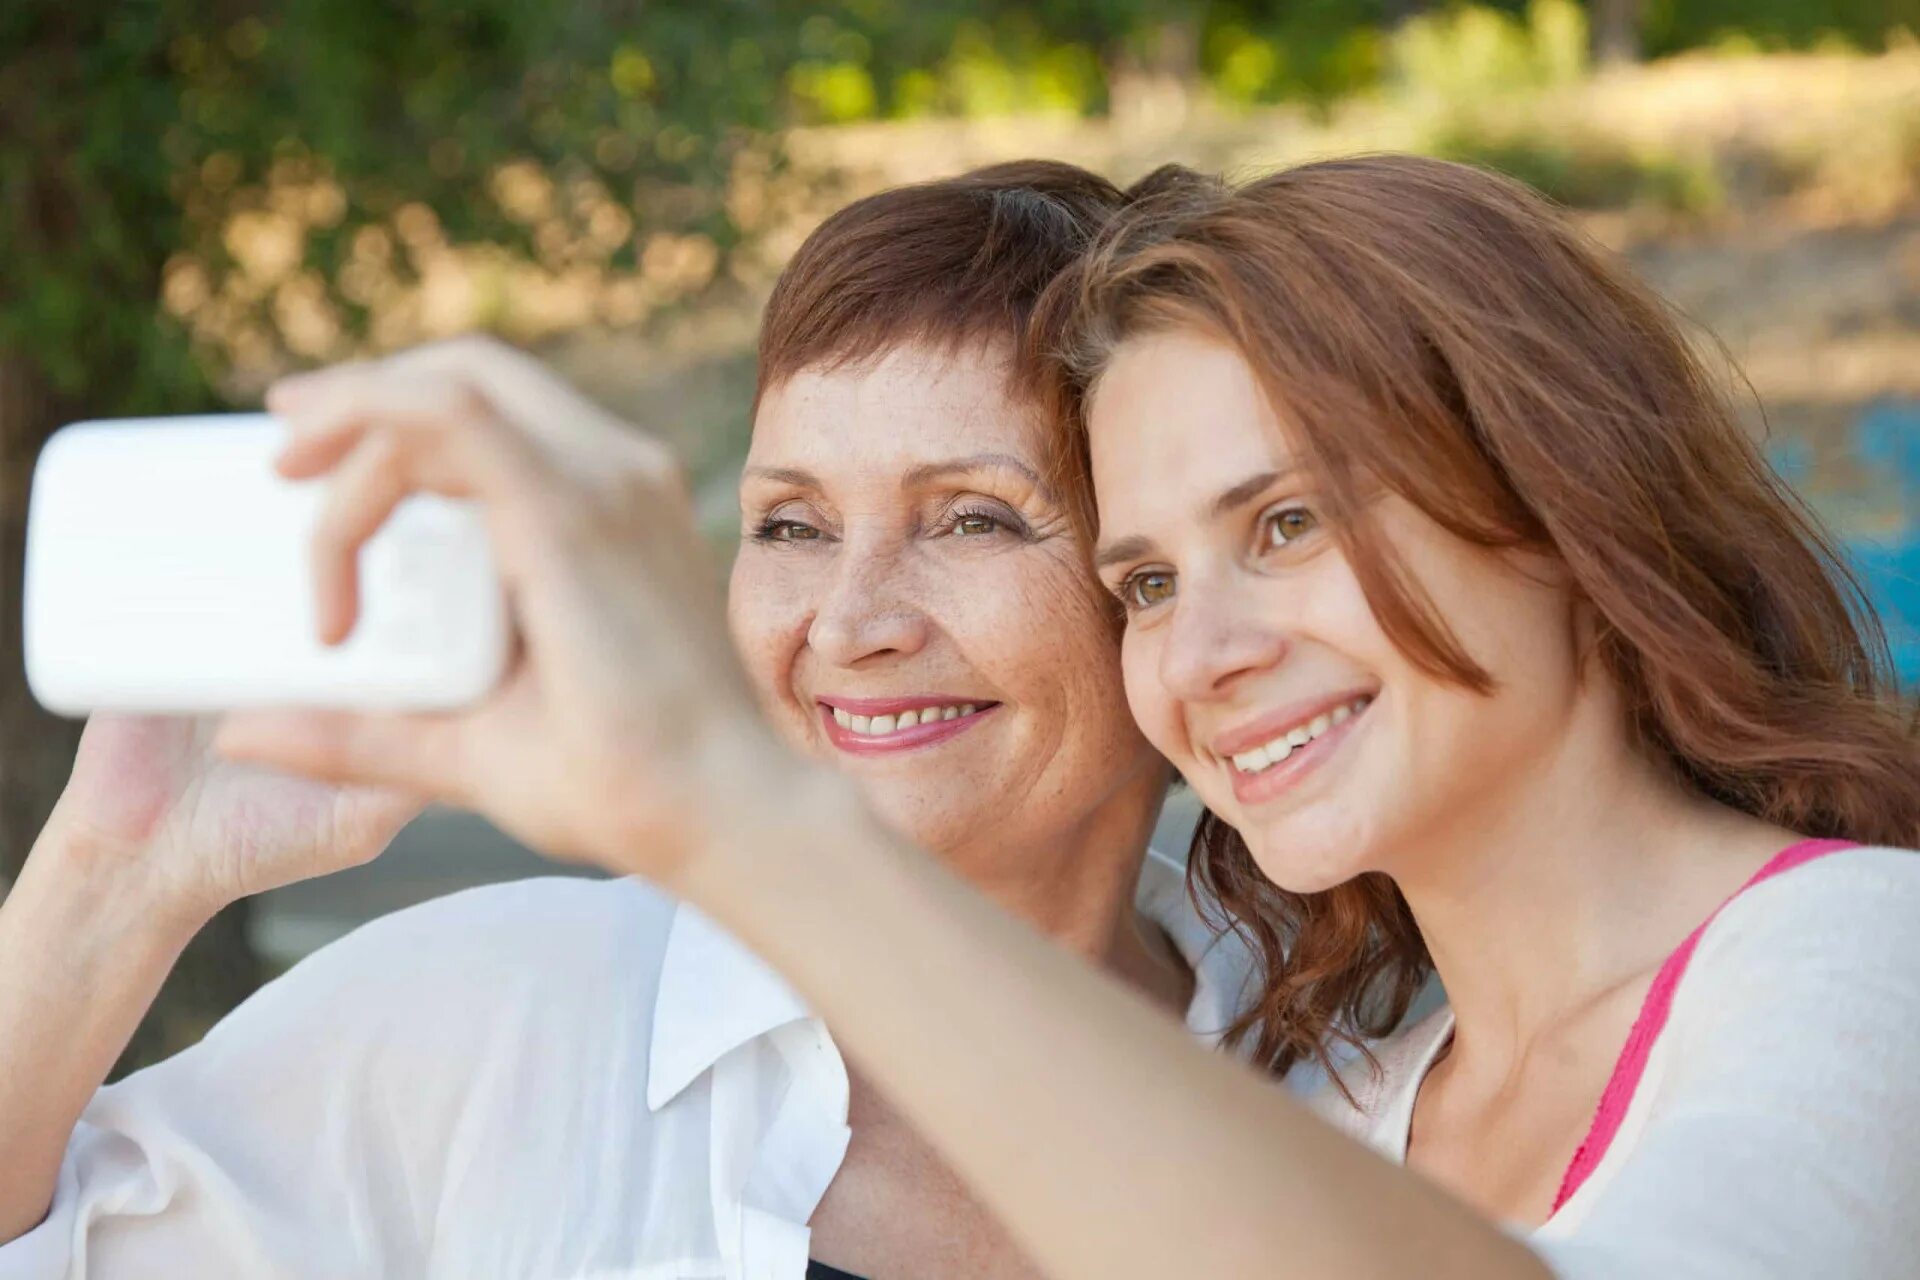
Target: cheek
(1046, 638)
(1153, 709)
(768, 608)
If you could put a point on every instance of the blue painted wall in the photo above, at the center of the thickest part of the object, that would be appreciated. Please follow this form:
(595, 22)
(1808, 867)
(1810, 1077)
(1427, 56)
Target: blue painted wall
(1876, 512)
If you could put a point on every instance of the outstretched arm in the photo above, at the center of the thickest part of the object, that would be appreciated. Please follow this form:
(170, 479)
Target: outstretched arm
(1100, 1134)
(625, 734)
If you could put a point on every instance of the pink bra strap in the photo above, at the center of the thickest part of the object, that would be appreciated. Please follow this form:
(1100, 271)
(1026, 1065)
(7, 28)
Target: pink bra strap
(1653, 1018)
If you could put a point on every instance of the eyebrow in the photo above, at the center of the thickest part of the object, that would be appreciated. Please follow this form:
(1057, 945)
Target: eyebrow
(925, 473)
(1136, 546)
(1246, 491)
(931, 471)
(1124, 549)
(785, 475)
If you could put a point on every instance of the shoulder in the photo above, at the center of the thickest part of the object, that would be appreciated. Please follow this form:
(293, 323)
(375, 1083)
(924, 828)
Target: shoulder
(545, 916)
(1855, 905)
(538, 951)
(1775, 1125)
(541, 923)
(1817, 962)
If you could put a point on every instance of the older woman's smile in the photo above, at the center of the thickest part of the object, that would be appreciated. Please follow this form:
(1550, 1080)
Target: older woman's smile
(868, 726)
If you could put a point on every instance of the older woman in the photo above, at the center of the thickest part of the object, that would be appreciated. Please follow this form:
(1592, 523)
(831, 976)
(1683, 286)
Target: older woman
(571, 1078)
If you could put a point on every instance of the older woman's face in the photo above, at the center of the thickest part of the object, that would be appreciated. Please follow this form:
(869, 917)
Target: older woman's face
(914, 603)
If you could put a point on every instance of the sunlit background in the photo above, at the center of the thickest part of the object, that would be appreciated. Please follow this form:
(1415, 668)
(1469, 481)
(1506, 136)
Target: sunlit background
(197, 197)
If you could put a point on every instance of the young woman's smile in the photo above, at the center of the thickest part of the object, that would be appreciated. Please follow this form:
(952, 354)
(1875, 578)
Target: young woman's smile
(1269, 755)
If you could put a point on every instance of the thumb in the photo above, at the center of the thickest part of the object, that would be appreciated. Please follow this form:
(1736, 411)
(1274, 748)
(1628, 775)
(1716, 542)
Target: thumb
(413, 752)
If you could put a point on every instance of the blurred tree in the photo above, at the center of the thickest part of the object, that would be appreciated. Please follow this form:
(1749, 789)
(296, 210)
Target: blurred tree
(1674, 25)
(1616, 30)
(136, 137)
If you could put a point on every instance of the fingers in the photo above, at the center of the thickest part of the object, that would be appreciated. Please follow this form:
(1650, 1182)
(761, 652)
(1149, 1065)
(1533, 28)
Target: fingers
(328, 414)
(417, 753)
(365, 490)
(468, 418)
(384, 436)
(544, 410)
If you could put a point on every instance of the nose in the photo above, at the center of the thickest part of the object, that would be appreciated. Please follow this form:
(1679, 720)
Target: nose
(1215, 638)
(868, 610)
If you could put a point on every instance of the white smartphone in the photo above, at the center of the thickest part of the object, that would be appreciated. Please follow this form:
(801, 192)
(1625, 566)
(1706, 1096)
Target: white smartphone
(168, 570)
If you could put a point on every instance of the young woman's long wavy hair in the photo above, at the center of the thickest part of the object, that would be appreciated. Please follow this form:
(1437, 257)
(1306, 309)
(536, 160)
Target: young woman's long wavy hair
(1449, 335)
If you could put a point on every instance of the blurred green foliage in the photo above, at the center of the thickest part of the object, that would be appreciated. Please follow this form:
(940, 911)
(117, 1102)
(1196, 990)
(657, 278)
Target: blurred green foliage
(1470, 70)
(132, 132)
(1674, 26)
(1588, 172)
(129, 131)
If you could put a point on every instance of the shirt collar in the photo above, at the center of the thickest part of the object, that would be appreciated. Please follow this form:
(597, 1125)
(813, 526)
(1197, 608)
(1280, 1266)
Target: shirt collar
(715, 995)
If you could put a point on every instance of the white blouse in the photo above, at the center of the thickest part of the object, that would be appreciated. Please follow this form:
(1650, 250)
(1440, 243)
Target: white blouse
(553, 1078)
(1775, 1128)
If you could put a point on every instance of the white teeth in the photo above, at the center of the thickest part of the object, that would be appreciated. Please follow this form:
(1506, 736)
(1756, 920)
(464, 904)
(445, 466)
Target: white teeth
(878, 726)
(1272, 753)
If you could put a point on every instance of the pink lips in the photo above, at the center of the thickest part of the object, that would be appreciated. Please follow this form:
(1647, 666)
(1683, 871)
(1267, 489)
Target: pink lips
(1253, 788)
(920, 735)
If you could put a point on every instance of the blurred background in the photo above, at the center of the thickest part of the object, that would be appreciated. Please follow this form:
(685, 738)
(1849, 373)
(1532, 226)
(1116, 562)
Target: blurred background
(198, 195)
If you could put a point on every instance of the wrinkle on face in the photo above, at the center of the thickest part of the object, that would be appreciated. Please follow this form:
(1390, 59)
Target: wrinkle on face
(879, 456)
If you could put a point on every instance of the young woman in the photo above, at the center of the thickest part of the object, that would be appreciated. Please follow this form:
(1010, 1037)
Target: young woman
(1452, 586)
(554, 1076)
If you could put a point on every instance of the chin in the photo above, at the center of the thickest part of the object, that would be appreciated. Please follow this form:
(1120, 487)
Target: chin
(1306, 856)
(935, 823)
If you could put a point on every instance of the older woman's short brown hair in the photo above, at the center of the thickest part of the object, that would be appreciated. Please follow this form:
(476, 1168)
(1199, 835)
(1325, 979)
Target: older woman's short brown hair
(949, 263)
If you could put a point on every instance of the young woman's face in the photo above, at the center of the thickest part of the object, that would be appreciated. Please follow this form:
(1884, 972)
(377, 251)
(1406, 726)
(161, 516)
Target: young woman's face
(1252, 658)
(913, 603)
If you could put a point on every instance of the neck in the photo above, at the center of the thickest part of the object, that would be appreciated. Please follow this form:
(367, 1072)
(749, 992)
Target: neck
(1076, 884)
(1539, 900)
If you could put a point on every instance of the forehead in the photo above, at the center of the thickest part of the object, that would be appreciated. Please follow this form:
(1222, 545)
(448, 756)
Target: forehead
(1176, 416)
(907, 406)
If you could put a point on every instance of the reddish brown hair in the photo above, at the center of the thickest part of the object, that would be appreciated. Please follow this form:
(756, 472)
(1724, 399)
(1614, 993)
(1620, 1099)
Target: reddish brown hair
(1447, 334)
(948, 263)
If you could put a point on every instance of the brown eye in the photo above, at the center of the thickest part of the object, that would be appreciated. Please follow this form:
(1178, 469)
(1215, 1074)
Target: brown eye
(975, 525)
(786, 531)
(1144, 590)
(1288, 524)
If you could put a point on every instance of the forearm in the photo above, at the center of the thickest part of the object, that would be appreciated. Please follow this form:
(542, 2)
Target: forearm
(81, 958)
(1104, 1138)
